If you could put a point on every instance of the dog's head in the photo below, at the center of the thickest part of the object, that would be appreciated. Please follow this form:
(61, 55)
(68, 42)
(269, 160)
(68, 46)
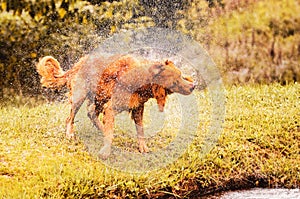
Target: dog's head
(170, 77)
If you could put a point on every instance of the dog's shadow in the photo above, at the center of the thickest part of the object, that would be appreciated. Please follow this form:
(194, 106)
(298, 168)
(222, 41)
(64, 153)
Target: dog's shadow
(166, 138)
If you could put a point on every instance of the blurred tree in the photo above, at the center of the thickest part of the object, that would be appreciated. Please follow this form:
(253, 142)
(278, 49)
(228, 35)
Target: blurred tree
(99, 2)
(28, 31)
(214, 3)
(164, 13)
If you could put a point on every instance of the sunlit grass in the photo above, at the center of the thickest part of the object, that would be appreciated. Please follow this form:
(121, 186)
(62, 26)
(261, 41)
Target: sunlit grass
(258, 147)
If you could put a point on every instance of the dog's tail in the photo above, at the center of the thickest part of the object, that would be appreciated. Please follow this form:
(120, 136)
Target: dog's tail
(52, 74)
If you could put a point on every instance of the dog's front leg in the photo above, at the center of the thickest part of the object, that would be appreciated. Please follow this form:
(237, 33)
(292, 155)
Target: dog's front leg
(108, 121)
(137, 116)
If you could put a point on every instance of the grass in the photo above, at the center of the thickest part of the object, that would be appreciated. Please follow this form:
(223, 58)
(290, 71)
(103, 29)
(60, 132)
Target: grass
(259, 147)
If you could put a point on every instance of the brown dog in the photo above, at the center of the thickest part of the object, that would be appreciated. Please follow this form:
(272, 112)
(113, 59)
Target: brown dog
(112, 85)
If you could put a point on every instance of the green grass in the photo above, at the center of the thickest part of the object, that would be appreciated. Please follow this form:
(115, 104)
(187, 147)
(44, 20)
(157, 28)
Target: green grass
(259, 146)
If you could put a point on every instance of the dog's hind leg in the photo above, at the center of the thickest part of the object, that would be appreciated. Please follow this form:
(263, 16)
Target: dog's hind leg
(77, 100)
(108, 121)
(93, 114)
(137, 116)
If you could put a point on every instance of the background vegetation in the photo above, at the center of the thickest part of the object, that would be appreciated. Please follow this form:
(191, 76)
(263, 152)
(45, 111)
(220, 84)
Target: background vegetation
(251, 41)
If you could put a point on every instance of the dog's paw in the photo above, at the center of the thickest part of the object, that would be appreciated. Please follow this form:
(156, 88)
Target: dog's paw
(143, 148)
(70, 132)
(105, 152)
(70, 136)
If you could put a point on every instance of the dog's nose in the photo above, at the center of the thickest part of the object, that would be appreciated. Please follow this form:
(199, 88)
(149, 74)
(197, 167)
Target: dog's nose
(193, 86)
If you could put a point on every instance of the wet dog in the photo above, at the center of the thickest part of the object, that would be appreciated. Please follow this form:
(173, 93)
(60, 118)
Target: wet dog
(114, 84)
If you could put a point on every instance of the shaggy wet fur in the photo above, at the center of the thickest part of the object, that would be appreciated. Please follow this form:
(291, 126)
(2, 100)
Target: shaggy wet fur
(112, 85)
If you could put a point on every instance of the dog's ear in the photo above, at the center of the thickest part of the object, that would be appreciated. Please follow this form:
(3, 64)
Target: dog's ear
(168, 91)
(156, 69)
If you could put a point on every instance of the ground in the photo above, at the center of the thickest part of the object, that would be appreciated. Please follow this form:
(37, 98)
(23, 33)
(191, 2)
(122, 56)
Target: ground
(259, 147)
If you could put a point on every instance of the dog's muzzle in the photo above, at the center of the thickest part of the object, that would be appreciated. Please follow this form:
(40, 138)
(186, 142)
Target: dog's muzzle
(193, 86)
